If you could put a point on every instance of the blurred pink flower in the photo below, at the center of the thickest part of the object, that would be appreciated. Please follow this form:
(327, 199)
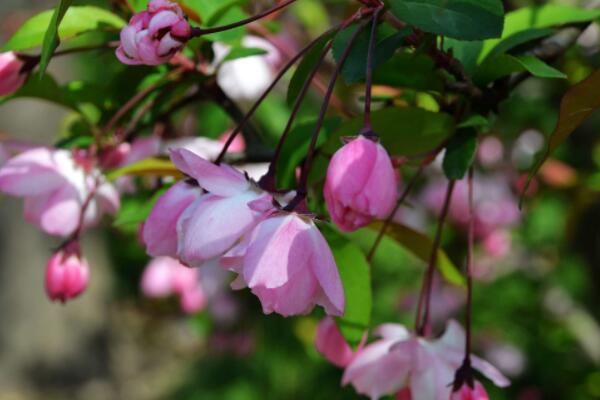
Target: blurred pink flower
(288, 264)
(11, 75)
(67, 274)
(55, 185)
(332, 345)
(400, 360)
(360, 185)
(152, 37)
(477, 392)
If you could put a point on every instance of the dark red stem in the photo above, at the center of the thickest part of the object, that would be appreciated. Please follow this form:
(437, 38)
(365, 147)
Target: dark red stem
(367, 127)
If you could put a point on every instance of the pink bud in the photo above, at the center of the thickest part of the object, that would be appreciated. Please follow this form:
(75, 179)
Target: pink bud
(360, 185)
(11, 75)
(332, 345)
(470, 393)
(192, 300)
(497, 244)
(67, 274)
(152, 37)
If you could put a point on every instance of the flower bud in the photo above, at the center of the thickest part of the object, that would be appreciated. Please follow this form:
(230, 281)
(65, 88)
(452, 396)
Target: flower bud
(152, 37)
(360, 184)
(11, 75)
(466, 392)
(67, 274)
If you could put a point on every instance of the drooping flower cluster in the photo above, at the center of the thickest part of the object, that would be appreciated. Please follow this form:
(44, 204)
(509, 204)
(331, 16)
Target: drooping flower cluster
(361, 184)
(220, 213)
(152, 37)
(12, 76)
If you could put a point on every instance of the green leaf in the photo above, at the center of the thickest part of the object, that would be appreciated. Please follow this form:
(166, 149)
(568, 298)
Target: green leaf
(146, 167)
(421, 246)
(475, 121)
(506, 64)
(42, 87)
(305, 67)
(135, 210)
(406, 131)
(519, 39)
(460, 153)
(242, 52)
(459, 19)
(578, 103)
(228, 16)
(209, 10)
(356, 279)
(76, 21)
(465, 51)
(388, 40)
(409, 70)
(546, 16)
(51, 39)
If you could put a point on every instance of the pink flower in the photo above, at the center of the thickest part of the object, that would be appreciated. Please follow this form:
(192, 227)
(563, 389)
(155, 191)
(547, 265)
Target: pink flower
(55, 185)
(152, 37)
(165, 276)
(11, 75)
(160, 229)
(360, 184)
(477, 392)
(217, 220)
(332, 345)
(400, 360)
(67, 274)
(288, 264)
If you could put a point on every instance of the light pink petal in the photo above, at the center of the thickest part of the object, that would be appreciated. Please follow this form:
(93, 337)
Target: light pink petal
(124, 58)
(108, 199)
(168, 46)
(157, 277)
(331, 344)
(490, 372)
(57, 214)
(221, 180)
(128, 43)
(162, 19)
(392, 331)
(215, 226)
(160, 229)
(192, 301)
(142, 148)
(31, 173)
(432, 376)
(325, 269)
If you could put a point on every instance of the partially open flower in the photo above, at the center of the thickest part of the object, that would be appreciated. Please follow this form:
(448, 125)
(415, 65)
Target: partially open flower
(152, 37)
(11, 75)
(288, 264)
(67, 274)
(360, 185)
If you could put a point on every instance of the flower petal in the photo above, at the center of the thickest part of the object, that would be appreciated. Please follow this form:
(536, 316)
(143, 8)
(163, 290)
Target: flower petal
(31, 173)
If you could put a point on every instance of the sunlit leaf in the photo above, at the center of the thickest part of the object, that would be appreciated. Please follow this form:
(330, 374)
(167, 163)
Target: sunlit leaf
(147, 167)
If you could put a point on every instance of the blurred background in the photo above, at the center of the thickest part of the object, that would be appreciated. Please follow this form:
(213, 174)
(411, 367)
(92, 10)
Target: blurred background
(536, 299)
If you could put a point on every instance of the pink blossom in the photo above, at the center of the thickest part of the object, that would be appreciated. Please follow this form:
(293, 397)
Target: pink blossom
(4, 156)
(477, 392)
(160, 229)
(360, 184)
(400, 360)
(67, 274)
(152, 37)
(332, 345)
(12, 76)
(238, 145)
(288, 264)
(498, 243)
(55, 185)
(217, 220)
(165, 276)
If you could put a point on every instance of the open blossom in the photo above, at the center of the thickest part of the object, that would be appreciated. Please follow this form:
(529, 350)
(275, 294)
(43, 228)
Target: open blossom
(332, 345)
(288, 264)
(246, 78)
(360, 184)
(11, 75)
(153, 36)
(477, 392)
(67, 274)
(213, 223)
(400, 360)
(55, 185)
(165, 276)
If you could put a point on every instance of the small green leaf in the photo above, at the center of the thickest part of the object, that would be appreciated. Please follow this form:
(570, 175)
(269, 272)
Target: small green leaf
(356, 279)
(405, 131)
(228, 16)
(388, 40)
(580, 101)
(505, 64)
(51, 39)
(421, 246)
(459, 19)
(518, 39)
(475, 121)
(146, 167)
(460, 153)
(135, 210)
(409, 70)
(76, 21)
(209, 10)
(305, 67)
(242, 52)
(465, 51)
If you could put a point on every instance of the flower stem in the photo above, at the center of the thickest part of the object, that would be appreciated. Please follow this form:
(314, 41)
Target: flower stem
(252, 110)
(302, 186)
(422, 324)
(469, 271)
(201, 31)
(367, 127)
